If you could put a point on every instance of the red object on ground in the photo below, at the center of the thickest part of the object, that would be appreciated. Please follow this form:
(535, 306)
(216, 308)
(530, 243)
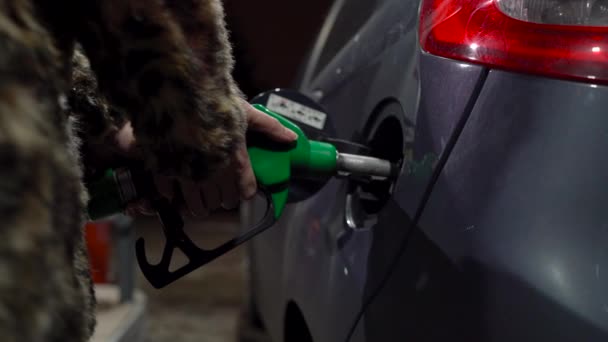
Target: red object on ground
(98, 238)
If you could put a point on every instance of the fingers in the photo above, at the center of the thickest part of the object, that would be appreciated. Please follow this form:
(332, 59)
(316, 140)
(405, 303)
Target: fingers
(212, 195)
(164, 186)
(141, 207)
(229, 190)
(246, 181)
(232, 184)
(126, 142)
(195, 203)
(266, 124)
(220, 191)
(125, 137)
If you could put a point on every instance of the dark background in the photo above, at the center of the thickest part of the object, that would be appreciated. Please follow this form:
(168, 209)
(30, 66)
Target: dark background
(271, 39)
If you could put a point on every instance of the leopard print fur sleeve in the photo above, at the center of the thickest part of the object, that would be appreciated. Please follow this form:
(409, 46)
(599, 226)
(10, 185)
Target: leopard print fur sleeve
(165, 64)
(168, 65)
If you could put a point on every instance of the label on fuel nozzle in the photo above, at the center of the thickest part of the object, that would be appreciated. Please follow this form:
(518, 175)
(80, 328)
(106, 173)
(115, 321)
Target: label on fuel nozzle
(296, 111)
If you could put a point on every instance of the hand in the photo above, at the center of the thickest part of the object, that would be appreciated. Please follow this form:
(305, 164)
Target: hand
(237, 182)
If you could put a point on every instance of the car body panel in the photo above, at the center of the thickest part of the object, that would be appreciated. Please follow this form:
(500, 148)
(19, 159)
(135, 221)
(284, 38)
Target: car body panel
(298, 260)
(513, 238)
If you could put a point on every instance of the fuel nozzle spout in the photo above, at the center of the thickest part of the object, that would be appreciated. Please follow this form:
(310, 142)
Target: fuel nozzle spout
(325, 160)
(358, 166)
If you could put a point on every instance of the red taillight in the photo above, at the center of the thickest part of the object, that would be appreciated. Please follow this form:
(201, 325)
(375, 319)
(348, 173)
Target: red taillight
(478, 31)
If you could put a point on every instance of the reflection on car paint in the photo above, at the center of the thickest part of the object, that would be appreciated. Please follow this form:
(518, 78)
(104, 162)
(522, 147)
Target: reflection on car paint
(422, 170)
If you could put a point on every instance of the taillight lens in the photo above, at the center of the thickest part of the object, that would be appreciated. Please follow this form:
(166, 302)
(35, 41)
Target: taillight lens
(559, 38)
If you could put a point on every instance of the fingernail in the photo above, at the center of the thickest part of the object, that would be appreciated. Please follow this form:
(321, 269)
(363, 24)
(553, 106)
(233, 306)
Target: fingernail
(291, 135)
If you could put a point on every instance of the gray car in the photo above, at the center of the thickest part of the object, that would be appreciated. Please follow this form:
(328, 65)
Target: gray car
(497, 227)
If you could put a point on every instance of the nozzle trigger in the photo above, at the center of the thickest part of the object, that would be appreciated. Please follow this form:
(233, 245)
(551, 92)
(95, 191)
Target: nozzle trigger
(159, 275)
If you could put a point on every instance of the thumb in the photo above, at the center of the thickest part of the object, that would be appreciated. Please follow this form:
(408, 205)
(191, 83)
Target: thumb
(268, 125)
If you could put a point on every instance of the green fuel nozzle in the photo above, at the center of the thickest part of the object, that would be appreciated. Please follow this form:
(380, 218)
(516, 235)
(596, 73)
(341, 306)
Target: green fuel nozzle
(274, 166)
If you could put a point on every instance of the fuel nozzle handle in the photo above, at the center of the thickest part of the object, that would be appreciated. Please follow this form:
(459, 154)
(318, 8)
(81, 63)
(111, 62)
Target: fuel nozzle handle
(274, 165)
(115, 189)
